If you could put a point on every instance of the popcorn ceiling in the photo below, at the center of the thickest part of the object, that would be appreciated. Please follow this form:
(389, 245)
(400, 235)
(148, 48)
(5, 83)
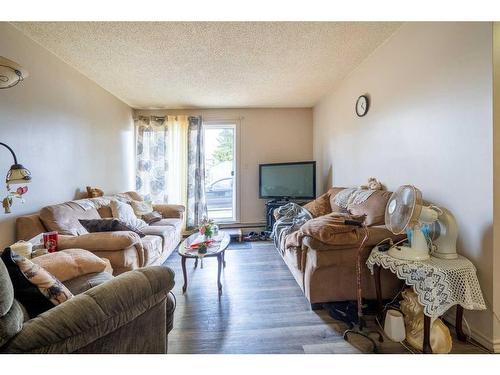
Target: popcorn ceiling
(212, 64)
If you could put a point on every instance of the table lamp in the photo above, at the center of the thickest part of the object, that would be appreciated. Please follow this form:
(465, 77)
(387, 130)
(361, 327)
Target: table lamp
(17, 174)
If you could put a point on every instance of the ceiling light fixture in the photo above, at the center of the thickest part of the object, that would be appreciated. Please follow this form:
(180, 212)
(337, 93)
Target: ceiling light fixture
(11, 73)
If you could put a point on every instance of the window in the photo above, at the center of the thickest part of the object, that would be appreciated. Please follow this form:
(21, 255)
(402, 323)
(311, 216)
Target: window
(220, 171)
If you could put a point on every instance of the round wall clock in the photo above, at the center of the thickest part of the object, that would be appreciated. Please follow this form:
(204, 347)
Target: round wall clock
(362, 105)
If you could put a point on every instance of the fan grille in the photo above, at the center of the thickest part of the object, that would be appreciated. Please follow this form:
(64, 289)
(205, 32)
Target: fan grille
(403, 209)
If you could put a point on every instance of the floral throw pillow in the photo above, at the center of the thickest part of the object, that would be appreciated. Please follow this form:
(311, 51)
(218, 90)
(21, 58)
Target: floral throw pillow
(35, 288)
(125, 213)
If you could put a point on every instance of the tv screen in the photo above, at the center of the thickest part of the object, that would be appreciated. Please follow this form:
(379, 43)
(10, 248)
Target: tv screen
(288, 180)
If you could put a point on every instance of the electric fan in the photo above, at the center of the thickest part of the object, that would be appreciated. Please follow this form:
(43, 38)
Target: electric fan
(444, 233)
(405, 211)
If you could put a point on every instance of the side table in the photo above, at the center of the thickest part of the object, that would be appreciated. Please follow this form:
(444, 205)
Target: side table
(439, 284)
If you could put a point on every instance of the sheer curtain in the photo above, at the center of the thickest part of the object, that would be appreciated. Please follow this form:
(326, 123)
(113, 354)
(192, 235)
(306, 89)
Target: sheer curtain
(161, 153)
(196, 208)
(171, 163)
(151, 158)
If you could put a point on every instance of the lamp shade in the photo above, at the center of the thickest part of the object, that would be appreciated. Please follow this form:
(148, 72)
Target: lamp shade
(17, 174)
(394, 326)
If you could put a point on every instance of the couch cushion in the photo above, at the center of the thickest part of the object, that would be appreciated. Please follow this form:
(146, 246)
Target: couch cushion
(152, 248)
(83, 283)
(158, 230)
(167, 233)
(373, 208)
(320, 206)
(63, 218)
(28, 227)
(70, 263)
(170, 222)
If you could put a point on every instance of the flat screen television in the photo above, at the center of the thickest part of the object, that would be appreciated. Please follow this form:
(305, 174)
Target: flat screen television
(287, 180)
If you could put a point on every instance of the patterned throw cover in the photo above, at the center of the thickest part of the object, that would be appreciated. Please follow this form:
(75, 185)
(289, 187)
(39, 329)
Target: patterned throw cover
(352, 196)
(291, 217)
(34, 287)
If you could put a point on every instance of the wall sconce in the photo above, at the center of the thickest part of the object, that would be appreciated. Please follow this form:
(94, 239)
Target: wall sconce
(11, 73)
(17, 174)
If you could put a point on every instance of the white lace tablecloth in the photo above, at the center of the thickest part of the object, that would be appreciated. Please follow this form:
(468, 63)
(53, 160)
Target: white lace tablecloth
(439, 283)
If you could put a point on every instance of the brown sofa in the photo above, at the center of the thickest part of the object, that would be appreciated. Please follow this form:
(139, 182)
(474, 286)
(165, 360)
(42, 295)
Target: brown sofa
(125, 250)
(326, 272)
(131, 313)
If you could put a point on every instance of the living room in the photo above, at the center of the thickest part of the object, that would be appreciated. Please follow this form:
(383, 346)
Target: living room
(249, 187)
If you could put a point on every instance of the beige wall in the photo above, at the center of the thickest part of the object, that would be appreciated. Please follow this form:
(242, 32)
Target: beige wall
(266, 136)
(67, 130)
(430, 124)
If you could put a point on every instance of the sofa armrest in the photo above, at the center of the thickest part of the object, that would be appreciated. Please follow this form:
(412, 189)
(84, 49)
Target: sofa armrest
(94, 314)
(105, 241)
(170, 210)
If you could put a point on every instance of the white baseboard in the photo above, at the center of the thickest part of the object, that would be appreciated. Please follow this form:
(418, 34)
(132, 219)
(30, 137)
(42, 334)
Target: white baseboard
(481, 338)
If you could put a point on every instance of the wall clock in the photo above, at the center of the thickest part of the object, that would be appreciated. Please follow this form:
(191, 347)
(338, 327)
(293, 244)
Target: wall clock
(362, 105)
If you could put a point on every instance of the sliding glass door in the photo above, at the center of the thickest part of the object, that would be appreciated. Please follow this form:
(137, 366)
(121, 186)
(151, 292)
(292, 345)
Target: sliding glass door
(220, 171)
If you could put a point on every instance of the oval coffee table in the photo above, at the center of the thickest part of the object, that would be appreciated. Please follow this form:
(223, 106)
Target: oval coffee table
(216, 249)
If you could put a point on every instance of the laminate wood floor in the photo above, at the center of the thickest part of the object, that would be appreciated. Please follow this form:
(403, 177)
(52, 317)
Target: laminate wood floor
(261, 310)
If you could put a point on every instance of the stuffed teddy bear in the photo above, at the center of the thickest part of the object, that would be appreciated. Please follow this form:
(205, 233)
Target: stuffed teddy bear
(94, 192)
(373, 184)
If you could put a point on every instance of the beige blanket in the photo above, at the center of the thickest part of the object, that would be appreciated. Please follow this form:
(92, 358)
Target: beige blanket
(329, 229)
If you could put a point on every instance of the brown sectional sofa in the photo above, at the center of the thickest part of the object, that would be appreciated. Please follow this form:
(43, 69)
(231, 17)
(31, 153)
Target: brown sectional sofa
(327, 272)
(125, 250)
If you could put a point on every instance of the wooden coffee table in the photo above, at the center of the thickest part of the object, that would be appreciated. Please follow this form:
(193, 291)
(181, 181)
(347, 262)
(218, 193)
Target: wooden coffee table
(216, 249)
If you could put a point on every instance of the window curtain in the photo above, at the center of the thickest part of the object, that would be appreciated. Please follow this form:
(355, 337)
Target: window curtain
(151, 157)
(196, 208)
(161, 154)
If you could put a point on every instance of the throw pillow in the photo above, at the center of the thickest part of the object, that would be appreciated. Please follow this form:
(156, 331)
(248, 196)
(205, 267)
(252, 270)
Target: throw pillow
(152, 217)
(109, 225)
(373, 208)
(125, 213)
(35, 288)
(141, 208)
(70, 263)
(320, 206)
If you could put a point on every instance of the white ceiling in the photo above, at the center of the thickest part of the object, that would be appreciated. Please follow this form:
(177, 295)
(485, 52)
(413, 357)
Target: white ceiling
(212, 64)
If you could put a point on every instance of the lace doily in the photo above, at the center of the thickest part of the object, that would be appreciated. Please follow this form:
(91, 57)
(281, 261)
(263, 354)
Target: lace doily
(439, 283)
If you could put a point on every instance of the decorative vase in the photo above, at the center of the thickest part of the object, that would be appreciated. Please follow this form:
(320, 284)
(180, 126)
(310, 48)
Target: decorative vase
(394, 326)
